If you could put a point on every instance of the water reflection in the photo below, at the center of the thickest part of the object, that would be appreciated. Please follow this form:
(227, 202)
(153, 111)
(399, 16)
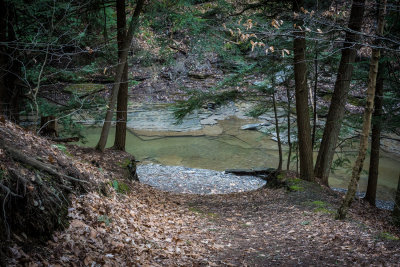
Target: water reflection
(233, 148)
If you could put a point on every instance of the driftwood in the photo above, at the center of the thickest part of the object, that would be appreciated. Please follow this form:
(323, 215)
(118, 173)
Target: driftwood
(251, 172)
(270, 175)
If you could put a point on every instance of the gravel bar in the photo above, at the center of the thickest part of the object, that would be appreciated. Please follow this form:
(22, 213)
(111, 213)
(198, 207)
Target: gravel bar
(180, 179)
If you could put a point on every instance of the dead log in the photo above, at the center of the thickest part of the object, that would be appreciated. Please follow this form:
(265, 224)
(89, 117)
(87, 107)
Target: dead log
(272, 176)
(251, 172)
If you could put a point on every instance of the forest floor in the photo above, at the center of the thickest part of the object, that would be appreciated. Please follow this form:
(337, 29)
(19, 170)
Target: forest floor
(137, 225)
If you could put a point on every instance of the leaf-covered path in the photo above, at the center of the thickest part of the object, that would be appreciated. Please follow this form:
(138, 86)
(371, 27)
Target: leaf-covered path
(143, 226)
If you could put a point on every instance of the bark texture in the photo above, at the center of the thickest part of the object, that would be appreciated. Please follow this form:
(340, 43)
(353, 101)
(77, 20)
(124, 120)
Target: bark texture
(122, 100)
(358, 165)
(303, 117)
(373, 173)
(396, 211)
(277, 132)
(289, 129)
(133, 25)
(339, 98)
(10, 91)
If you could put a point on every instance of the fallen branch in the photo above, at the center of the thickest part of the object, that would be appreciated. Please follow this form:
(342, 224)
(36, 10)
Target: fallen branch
(19, 156)
(251, 172)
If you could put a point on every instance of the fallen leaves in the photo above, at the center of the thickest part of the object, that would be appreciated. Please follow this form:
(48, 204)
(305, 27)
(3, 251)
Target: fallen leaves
(148, 227)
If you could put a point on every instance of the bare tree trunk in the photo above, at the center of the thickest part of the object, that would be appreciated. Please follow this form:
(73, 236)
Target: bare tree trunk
(315, 97)
(339, 98)
(277, 131)
(119, 73)
(358, 165)
(105, 34)
(396, 210)
(289, 130)
(303, 118)
(122, 101)
(315, 117)
(4, 93)
(297, 158)
(370, 196)
(10, 69)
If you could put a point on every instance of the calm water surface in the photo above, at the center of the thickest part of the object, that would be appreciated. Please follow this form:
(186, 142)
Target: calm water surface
(235, 148)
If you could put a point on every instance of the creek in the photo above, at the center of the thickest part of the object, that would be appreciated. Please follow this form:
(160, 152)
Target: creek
(224, 145)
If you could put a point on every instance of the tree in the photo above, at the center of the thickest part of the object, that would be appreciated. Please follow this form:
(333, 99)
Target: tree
(278, 137)
(122, 101)
(358, 165)
(133, 25)
(370, 195)
(288, 128)
(10, 90)
(339, 98)
(303, 118)
(396, 210)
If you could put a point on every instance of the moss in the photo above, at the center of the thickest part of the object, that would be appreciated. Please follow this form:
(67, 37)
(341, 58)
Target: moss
(125, 163)
(120, 187)
(296, 180)
(281, 176)
(388, 236)
(295, 188)
(105, 219)
(324, 210)
(319, 203)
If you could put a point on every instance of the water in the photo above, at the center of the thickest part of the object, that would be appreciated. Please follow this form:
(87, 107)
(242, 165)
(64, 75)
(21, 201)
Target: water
(230, 147)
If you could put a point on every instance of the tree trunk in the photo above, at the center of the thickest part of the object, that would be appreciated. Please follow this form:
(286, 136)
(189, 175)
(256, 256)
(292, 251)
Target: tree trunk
(4, 95)
(339, 98)
(277, 132)
(315, 117)
(314, 129)
(289, 129)
(118, 77)
(10, 69)
(105, 34)
(358, 165)
(48, 126)
(396, 210)
(303, 118)
(122, 101)
(370, 196)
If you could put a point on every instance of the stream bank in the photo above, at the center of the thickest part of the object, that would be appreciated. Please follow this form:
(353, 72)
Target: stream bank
(215, 139)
